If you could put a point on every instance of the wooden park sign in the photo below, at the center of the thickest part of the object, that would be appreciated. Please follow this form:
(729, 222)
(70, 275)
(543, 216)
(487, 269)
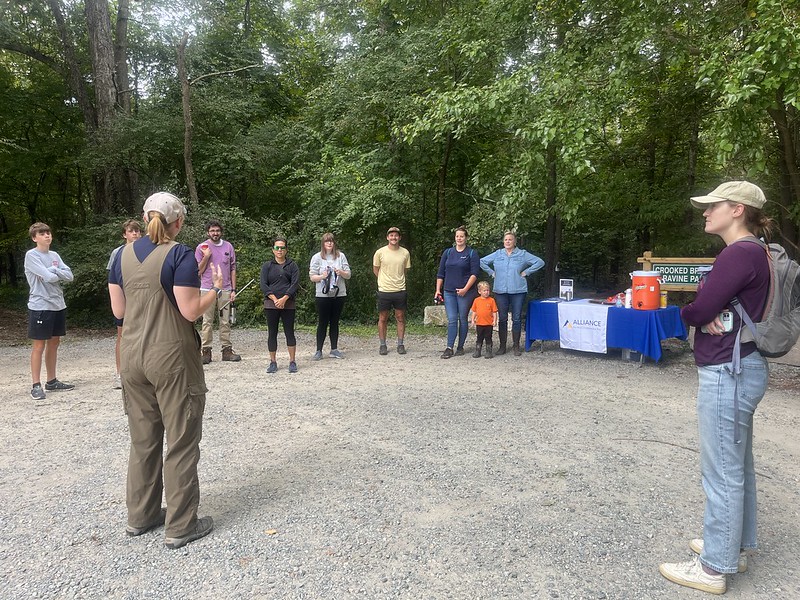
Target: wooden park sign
(677, 274)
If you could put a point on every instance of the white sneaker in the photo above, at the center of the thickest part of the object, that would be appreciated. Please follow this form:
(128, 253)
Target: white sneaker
(691, 574)
(697, 547)
(117, 382)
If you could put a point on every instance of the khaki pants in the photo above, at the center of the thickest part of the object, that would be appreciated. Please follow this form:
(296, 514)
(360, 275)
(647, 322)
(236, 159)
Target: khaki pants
(207, 331)
(165, 400)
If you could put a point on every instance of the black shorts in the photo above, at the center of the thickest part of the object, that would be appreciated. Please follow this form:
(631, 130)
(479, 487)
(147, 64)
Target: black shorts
(395, 300)
(45, 324)
(117, 322)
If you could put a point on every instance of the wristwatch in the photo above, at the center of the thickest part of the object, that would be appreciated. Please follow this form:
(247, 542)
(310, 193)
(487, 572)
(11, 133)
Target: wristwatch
(217, 290)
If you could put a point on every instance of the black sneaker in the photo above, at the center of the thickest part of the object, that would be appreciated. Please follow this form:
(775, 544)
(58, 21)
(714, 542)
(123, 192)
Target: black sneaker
(136, 531)
(383, 350)
(401, 349)
(58, 386)
(37, 393)
(448, 353)
(459, 351)
(201, 529)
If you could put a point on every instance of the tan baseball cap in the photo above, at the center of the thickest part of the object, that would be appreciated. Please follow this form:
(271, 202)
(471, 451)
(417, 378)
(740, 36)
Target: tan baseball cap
(168, 205)
(741, 192)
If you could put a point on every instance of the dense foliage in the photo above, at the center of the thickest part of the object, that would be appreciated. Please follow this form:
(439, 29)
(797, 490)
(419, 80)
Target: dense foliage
(582, 125)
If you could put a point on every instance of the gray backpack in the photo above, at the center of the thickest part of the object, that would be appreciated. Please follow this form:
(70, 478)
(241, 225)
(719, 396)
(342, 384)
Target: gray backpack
(777, 332)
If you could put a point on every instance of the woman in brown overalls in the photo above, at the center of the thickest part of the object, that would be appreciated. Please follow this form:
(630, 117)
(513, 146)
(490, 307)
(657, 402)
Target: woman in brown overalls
(154, 284)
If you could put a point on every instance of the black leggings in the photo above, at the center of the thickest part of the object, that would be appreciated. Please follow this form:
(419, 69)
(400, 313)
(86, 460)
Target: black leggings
(273, 316)
(329, 311)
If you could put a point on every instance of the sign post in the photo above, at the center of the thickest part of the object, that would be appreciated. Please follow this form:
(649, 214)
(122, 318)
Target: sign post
(677, 274)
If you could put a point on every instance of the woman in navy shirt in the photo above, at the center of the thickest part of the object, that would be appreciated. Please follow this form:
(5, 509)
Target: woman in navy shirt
(458, 272)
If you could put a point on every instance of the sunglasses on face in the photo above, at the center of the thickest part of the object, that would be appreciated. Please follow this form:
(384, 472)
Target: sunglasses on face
(279, 247)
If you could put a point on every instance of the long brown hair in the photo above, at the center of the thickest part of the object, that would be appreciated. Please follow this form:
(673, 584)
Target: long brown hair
(328, 237)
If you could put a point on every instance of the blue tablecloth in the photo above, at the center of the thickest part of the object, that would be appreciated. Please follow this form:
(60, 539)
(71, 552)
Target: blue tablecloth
(640, 330)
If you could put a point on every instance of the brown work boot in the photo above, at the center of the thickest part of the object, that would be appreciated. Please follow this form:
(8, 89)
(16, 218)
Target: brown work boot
(206, 355)
(228, 354)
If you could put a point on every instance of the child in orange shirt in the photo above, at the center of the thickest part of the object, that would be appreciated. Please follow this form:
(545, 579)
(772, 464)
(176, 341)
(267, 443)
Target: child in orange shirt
(484, 317)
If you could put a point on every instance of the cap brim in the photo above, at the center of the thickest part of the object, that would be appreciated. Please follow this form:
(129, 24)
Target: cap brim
(703, 201)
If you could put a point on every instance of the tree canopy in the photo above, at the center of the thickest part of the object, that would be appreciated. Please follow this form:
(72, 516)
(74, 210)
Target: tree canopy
(582, 125)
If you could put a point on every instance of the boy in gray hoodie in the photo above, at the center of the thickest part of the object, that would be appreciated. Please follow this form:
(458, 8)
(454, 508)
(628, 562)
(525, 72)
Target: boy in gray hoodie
(47, 311)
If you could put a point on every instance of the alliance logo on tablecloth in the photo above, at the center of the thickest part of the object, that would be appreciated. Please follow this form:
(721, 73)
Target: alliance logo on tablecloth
(584, 326)
(582, 323)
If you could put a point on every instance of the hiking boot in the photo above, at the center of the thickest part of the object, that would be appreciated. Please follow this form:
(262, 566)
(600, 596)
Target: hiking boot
(459, 351)
(273, 367)
(697, 547)
(117, 382)
(135, 531)
(336, 353)
(206, 355)
(228, 354)
(317, 355)
(58, 386)
(691, 574)
(292, 367)
(383, 350)
(37, 393)
(477, 353)
(516, 336)
(201, 529)
(501, 349)
(448, 353)
(489, 351)
(401, 349)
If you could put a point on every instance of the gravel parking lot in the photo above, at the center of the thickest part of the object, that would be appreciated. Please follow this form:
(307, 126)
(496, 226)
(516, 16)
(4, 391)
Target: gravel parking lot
(551, 475)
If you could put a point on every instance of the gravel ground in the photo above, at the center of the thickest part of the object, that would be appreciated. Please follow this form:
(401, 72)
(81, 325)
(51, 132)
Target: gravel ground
(552, 475)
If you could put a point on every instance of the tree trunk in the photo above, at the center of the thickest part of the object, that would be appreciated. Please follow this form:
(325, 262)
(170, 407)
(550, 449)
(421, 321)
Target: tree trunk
(552, 233)
(441, 188)
(790, 177)
(74, 76)
(101, 51)
(121, 57)
(194, 203)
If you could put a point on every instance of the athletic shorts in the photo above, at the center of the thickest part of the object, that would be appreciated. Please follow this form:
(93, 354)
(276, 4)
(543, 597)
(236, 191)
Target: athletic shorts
(395, 300)
(45, 324)
(117, 322)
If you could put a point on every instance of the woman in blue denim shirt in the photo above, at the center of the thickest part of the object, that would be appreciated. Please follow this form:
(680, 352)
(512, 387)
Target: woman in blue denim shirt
(510, 267)
(726, 401)
(458, 272)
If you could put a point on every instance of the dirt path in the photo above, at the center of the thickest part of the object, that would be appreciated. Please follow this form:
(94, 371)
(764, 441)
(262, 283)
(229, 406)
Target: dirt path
(555, 475)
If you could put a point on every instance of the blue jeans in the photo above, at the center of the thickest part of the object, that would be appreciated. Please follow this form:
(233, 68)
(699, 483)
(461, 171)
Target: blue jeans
(457, 308)
(728, 473)
(515, 301)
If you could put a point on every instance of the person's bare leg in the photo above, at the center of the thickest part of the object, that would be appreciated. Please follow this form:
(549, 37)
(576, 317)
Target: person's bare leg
(37, 349)
(291, 350)
(383, 320)
(50, 357)
(400, 317)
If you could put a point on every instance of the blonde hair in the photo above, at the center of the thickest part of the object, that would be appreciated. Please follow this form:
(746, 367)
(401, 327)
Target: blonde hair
(483, 285)
(157, 228)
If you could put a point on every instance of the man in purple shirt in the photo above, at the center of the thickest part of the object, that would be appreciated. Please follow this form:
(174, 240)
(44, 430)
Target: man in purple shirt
(219, 252)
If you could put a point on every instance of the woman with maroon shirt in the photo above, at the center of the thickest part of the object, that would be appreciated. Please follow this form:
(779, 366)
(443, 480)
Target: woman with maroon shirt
(726, 401)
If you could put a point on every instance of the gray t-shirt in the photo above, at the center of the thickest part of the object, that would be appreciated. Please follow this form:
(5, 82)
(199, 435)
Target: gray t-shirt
(318, 265)
(45, 272)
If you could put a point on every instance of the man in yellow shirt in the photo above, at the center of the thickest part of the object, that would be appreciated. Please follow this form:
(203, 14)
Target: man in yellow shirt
(390, 264)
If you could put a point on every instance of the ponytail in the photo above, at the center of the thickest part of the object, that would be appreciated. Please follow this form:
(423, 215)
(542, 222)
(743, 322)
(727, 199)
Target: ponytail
(157, 228)
(757, 222)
